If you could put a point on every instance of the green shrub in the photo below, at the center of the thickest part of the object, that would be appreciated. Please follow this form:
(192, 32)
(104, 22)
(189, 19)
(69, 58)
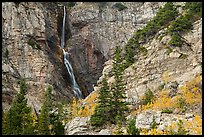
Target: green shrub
(101, 6)
(180, 131)
(168, 111)
(180, 25)
(184, 23)
(120, 6)
(161, 86)
(129, 56)
(182, 104)
(163, 17)
(169, 50)
(96, 121)
(32, 42)
(194, 8)
(6, 53)
(162, 35)
(131, 129)
(153, 124)
(149, 96)
(38, 46)
(143, 50)
(71, 4)
(166, 14)
(175, 40)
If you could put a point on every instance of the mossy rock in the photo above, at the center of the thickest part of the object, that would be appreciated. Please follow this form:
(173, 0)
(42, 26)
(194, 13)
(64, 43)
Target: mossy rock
(168, 111)
(32, 42)
(120, 6)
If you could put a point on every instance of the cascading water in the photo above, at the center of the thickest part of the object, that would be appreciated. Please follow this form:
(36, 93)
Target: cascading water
(74, 85)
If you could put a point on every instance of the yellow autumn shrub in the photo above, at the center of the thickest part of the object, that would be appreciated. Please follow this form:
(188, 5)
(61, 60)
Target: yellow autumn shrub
(190, 93)
(83, 107)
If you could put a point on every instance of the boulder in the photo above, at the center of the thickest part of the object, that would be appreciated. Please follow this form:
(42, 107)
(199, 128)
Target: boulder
(77, 126)
(105, 132)
(145, 119)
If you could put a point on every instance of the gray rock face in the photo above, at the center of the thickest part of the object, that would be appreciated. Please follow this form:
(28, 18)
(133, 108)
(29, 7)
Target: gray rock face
(148, 71)
(106, 26)
(104, 132)
(31, 50)
(80, 126)
(96, 29)
(145, 119)
(77, 126)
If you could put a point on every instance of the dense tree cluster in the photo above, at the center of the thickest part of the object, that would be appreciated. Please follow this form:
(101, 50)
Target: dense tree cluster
(184, 23)
(112, 107)
(163, 17)
(166, 16)
(19, 120)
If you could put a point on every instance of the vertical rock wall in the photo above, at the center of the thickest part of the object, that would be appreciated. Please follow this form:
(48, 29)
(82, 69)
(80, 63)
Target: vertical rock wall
(31, 50)
(96, 28)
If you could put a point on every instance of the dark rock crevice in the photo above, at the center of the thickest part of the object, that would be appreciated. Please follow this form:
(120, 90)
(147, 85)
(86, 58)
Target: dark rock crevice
(87, 62)
(55, 54)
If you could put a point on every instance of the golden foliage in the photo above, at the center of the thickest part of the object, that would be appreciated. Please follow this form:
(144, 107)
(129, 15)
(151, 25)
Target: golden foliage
(191, 91)
(91, 98)
(191, 94)
(83, 107)
(193, 127)
(34, 119)
(156, 132)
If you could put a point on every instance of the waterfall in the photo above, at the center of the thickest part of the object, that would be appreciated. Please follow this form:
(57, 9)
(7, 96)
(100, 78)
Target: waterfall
(74, 85)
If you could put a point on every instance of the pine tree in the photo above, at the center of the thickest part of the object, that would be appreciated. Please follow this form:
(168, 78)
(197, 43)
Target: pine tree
(129, 56)
(118, 105)
(18, 118)
(49, 122)
(131, 129)
(5, 128)
(55, 120)
(103, 107)
(104, 97)
(44, 119)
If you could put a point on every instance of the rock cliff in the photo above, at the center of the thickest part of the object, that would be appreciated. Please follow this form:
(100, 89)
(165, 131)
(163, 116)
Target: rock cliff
(31, 50)
(31, 33)
(96, 28)
(169, 71)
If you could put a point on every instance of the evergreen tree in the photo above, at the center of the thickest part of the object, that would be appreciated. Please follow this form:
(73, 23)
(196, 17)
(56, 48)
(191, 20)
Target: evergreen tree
(49, 122)
(131, 129)
(118, 105)
(55, 120)
(111, 102)
(19, 117)
(103, 107)
(129, 57)
(104, 99)
(44, 120)
(5, 128)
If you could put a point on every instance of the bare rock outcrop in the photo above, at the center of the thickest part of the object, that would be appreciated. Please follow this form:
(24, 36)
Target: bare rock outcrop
(96, 28)
(31, 51)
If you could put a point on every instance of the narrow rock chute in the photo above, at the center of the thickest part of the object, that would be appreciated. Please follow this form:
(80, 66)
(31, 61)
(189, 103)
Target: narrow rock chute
(74, 85)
